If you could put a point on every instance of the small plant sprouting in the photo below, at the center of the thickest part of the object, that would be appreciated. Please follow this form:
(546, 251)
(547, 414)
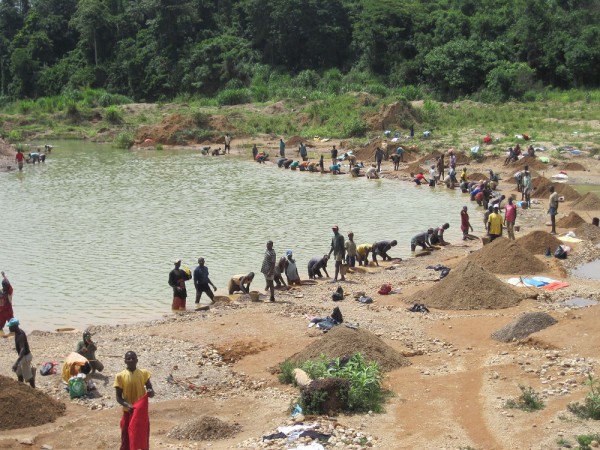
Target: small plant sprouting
(529, 400)
(590, 408)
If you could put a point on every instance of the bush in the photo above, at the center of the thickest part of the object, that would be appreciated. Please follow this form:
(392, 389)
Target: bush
(124, 140)
(585, 440)
(365, 392)
(113, 115)
(15, 135)
(355, 128)
(529, 400)
(234, 97)
(200, 118)
(590, 408)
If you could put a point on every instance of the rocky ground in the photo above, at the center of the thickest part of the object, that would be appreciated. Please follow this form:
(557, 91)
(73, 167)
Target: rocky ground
(222, 362)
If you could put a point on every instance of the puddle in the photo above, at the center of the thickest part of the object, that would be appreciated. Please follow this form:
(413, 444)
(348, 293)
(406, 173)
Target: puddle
(580, 302)
(589, 270)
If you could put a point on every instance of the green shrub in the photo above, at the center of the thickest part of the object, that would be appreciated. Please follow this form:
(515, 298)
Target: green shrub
(529, 400)
(15, 135)
(234, 96)
(590, 408)
(584, 440)
(113, 115)
(365, 393)
(355, 128)
(124, 140)
(200, 118)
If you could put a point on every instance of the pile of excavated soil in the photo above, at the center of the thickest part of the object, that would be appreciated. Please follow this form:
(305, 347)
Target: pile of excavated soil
(295, 141)
(589, 202)
(397, 115)
(430, 158)
(506, 257)
(533, 163)
(523, 326)
(367, 153)
(573, 166)
(7, 149)
(461, 158)
(414, 168)
(571, 221)
(477, 177)
(541, 188)
(342, 341)
(588, 231)
(205, 428)
(537, 242)
(468, 286)
(23, 407)
(169, 131)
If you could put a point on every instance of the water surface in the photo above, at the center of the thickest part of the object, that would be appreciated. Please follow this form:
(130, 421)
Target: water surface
(89, 236)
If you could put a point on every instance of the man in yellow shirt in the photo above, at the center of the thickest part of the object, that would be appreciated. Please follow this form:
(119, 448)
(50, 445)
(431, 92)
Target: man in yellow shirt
(131, 384)
(362, 254)
(494, 224)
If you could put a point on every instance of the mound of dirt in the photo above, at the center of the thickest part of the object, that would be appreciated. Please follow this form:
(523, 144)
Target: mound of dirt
(571, 221)
(170, 131)
(523, 326)
(506, 257)
(430, 158)
(394, 116)
(468, 286)
(414, 168)
(343, 341)
(232, 352)
(477, 177)
(205, 428)
(367, 153)
(573, 166)
(541, 188)
(588, 231)
(23, 407)
(537, 242)
(461, 158)
(295, 141)
(7, 149)
(533, 163)
(589, 202)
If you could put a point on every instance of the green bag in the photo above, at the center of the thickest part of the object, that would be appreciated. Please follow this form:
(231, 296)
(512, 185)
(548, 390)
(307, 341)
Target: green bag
(77, 387)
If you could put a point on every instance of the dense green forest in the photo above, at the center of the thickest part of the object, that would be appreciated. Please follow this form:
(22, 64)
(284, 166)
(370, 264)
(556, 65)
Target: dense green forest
(152, 50)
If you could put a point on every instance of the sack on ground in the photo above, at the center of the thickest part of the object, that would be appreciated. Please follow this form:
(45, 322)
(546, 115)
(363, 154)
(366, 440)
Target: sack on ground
(338, 294)
(77, 387)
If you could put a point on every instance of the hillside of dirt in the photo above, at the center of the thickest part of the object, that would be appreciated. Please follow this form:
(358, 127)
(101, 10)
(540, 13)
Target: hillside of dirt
(395, 116)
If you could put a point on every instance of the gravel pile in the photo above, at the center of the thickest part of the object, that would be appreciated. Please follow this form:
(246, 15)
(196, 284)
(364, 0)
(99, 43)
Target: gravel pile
(537, 242)
(468, 286)
(571, 221)
(525, 325)
(589, 202)
(204, 428)
(573, 166)
(588, 231)
(22, 407)
(507, 257)
(343, 341)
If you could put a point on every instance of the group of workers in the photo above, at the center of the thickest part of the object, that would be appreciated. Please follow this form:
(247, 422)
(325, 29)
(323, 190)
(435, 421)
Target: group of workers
(38, 156)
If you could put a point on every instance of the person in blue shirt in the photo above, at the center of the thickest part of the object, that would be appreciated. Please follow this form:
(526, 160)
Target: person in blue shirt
(202, 282)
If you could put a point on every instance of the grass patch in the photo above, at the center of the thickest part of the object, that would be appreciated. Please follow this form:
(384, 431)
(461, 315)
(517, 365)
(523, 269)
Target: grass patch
(124, 140)
(365, 391)
(590, 408)
(529, 400)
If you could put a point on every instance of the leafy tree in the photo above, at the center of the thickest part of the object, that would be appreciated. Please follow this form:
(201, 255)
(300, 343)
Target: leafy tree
(89, 19)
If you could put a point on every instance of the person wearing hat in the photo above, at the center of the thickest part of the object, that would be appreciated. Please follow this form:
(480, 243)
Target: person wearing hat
(291, 269)
(338, 250)
(421, 239)
(177, 279)
(350, 247)
(202, 282)
(87, 348)
(22, 366)
(268, 269)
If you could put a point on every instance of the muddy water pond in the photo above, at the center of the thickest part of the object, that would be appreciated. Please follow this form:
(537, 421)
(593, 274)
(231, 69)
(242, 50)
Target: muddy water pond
(89, 236)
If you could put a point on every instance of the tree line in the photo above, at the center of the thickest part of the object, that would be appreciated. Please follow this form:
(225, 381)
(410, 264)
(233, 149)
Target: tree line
(150, 50)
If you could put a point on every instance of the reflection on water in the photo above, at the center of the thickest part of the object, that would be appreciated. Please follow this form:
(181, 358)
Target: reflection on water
(588, 270)
(89, 236)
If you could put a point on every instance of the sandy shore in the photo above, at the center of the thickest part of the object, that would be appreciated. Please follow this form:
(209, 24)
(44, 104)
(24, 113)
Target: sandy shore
(451, 396)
